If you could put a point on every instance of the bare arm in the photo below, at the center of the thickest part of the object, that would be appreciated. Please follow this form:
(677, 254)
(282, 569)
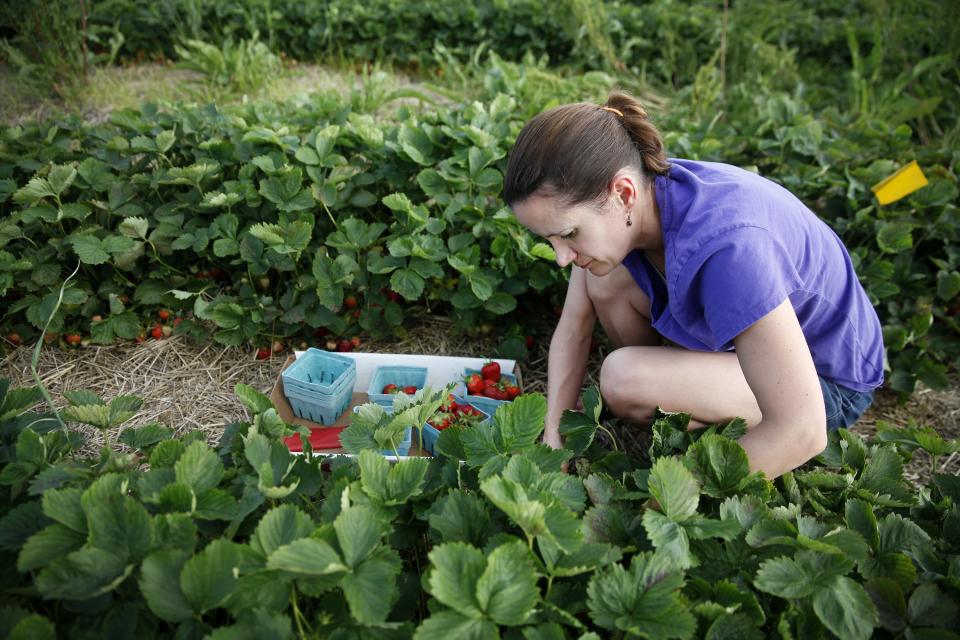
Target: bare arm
(569, 350)
(777, 365)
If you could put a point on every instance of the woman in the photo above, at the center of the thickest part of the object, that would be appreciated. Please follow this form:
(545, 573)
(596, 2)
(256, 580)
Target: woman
(722, 293)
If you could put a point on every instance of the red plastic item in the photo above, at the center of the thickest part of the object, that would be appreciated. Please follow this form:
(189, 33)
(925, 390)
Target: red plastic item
(320, 438)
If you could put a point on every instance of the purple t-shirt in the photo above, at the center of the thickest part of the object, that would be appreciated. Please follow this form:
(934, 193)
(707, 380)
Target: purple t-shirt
(737, 245)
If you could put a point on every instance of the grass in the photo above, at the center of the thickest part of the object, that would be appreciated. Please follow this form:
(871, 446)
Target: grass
(118, 87)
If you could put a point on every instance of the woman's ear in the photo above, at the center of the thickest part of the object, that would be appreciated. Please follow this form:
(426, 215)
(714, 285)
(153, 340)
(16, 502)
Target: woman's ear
(623, 189)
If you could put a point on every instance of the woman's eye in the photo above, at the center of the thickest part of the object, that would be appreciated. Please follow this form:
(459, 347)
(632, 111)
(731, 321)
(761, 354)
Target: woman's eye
(569, 235)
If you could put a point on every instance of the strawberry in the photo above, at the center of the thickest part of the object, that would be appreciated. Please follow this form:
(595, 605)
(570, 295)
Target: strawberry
(529, 340)
(277, 346)
(264, 282)
(356, 314)
(475, 383)
(331, 345)
(350, 302)
(14, 338)
(390, 388)
(96, 318)
(491, 371)
(410, 390)
(263, 354)
(394, 296)
(140, 337)
(344, 345)
(156, 332)
(73, 339)
(496, 393)
(512, 391)
(319, 332)
(167, 331)
(355, 341)
(177, 321)
(163, 314)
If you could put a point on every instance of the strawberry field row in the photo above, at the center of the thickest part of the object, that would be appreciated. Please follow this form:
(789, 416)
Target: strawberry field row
(248, 540)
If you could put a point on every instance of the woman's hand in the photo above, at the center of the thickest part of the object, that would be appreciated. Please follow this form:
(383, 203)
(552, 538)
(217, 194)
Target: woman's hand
(551, 438)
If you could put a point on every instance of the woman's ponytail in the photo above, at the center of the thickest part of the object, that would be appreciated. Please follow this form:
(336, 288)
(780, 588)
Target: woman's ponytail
(642, 131)
(574, 150)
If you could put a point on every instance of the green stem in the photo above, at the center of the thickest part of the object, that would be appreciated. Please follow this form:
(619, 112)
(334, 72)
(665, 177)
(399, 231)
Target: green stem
(297, 616)
(156, 255)
(330, 215)
(36, 351)
(549, 587)
(610, 435)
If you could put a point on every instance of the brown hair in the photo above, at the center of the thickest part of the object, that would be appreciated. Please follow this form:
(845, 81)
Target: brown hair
(574, 150)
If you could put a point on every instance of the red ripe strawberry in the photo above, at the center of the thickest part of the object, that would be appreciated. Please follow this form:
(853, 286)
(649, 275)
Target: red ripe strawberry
(344, 345)
(475, 383)
(394, 296)
(491, 371)
(156, 332)
(512, 391)
(529, 340)
(163, 314)
(495, 393)
(390, 388)
(356, 314)
(14, 338)
(319, 332)
(263, 354)
(350, 302)
(177, 321)
(410, 390)
(73, 339)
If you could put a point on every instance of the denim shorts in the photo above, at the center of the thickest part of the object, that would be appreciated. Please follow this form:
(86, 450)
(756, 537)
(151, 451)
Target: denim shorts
(844, 405)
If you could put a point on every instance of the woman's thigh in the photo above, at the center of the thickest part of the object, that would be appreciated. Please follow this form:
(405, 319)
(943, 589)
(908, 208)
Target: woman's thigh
(709, 386)
(622, 308)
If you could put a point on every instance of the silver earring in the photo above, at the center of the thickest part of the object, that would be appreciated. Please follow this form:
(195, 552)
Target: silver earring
(629, 221)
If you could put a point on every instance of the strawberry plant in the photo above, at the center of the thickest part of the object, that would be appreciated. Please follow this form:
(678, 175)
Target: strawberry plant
(245, 536)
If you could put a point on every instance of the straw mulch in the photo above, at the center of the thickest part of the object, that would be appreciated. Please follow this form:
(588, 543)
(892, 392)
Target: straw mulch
(190, 387)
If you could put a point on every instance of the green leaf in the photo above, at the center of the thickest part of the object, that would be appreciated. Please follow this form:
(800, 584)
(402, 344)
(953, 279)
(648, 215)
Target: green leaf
(82, 575)
(90, 249)
(34, 191)
(522, 421)
(407, 283)
(845, 609)
(674, 488)
(644, 600)
(929, 606)
(307, 556)
(507, 590)
(801, 575)
(146, 436)
(451, 624)
(33, 627)
(358, 532)
(460, 517)
(64, 506)
(44, 546)
(371, 589)
(669, 538)
(199, 467)
(160, 584)
(116, 522)
(455, 569)
(720, 465)
(510, 497)
(253, 399)
(280, 526)
(209, 577)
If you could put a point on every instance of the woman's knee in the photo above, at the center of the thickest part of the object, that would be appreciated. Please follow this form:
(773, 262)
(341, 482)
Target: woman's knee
(625, 383)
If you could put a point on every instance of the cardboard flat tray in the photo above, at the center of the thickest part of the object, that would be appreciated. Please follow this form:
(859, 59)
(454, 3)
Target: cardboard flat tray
(441, 370)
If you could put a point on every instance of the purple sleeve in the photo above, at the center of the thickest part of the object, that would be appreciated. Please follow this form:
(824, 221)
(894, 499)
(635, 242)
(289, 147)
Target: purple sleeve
(736, 279)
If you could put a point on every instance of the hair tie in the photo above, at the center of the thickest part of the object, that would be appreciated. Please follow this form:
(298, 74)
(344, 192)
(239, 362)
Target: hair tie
(612, 110)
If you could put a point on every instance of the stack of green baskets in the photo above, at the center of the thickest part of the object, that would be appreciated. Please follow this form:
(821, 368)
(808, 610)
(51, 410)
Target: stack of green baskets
(319, 385)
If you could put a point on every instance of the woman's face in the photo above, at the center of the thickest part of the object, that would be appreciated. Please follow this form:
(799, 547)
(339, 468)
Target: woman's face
(594, 238)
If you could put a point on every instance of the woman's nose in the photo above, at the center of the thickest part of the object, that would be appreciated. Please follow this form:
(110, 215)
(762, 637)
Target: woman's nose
(565, 255)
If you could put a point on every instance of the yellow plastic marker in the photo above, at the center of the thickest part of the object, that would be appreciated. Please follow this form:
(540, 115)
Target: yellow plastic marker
(902, 183)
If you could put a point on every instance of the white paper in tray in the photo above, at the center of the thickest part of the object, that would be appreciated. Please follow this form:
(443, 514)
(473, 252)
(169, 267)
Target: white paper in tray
(441, 370)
